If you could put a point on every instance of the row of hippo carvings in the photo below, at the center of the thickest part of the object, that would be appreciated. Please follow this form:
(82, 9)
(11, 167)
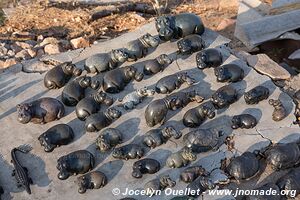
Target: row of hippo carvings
(88, 108)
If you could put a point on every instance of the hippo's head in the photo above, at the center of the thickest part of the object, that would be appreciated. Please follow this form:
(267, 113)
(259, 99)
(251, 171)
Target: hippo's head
(120, 55)
(62, 166)
(149, 41)
(201, 60)
(164, 59)
(209, 111)
(218, 100)
(83, 184)
(102, 144)
(102, 97)
(150, 142)
(184, 46)
(164, 26)
(45, 141)
(114, 113)
(24, 113)
(144, 92)
(222, 74)
(207, 183)
(235, 122)
(117, 153)
(166, 181)
(70, 69)
(250, 96)
(85, 81)
(184, 77)
(170, 131)
(132, 73)
(188, 154)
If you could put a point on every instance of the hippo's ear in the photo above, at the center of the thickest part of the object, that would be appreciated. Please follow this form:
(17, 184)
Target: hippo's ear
(19, 106)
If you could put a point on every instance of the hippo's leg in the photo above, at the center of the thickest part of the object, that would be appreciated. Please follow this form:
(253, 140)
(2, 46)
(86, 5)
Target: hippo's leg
(163, 121)
(60, 113)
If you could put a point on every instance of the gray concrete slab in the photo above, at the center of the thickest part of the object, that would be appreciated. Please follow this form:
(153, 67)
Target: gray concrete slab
(23, 87)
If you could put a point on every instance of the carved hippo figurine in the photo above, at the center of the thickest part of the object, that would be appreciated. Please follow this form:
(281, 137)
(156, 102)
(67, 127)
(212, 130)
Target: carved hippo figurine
(157, 110)
(296, 100)
(209, 58)
(145, 166)
(190, 44)
(100, 120)
(181, 158)
(172, 82)
(108, 138)
(196, 116)
(91, 180)
(189, 174)
(59, 75)
(160, 183)
(92, 104)
(134, 98)
(229, 73)
(156, 65)
(200, 184)
(77, 162)
(105, 61)
(157, 137)
(40, 111)
(246, 121)
(74, 91)
(139, 48)
(129, 151)
(279, 112)
(114, 81)
(256, 95)
(60, 134)
(290, 182)
(178, 26)
(224, 96)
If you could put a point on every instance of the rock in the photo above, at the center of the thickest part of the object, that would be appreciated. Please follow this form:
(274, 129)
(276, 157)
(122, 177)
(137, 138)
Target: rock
(31, 42)
(65, 44)
(52, 49)
(225, 23)
(295, 55)
(10, 53)
(16, 48)
(3, 51)
(31, 52)
(79, 43)
(40, 53)
(23, 55)
(266, 66)
(49, 40)
(35, 65)
(7, 63)
(40, 38)
(24, 45)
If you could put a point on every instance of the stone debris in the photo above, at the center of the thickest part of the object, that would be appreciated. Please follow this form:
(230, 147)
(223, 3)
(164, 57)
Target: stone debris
(7, 63)
(52, 49)
(34, 65)
(295, 55)
(80, 42)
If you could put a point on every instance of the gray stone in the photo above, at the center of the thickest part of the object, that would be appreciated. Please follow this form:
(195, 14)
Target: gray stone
(295, 55)
(3, 51)
(23, 55)
(35, 65)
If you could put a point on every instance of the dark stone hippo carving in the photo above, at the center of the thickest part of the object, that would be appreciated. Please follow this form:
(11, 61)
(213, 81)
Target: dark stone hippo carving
(172, 82)
(229, 73)
(105, 61)
(157, 137)
(59, 75)
(100, 120)
(243, 121)
(190, 44)
(189, 174)
(177, 26)
(60, 134)
(196, 116)
(290, 182)
(209, 58)
(296, 100)
(108, 138)
(181, 158)
(224, 96)
(92, 104)
(145, 166)
(129, 151)
(279, 112)
(156, 65)
(200, 185)
(139, 48)
(160, 183)
(157, 110)
(91, 180)
(114, 81)
(256, 95)
(77, 162)
(40, 111)
(74, 91)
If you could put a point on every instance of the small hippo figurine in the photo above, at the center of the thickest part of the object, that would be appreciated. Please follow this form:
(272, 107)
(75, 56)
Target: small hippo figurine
(60, 134)
(92, 104)
(157, 110)
(279, 112)
(105, 61)
(196, 116)
(145, 166)
(97, 121)
(178, 26)
(190, 44)
(246, 121)
(209, 58)
(181, 158)
(296, 99)
(191, 173)
(172, 82)
(156, 65)
(224, 96)
(129, 151)
(139, 48)
(114, 81)
(136, 97)
(160, 183)
(59, 75)
(74, 91)
(40, 111)
(256, 95)
(77, 162)
(200, 184)
(108, 138)
(157, 137)
(91, 180)
(229, 73)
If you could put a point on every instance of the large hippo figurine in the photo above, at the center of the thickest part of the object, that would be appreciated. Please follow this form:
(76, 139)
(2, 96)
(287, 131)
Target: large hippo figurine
(59, 75)
(190, 44)
(209, 58)
(40, 111)
(105, 61)
(77, 162)
(256, 95)
(178, 26)
(153, 66)
(114, 81)
(246, 121)
(91, 180)
(60, 134)
(229, 73)
(224, 96)
(108, 138)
